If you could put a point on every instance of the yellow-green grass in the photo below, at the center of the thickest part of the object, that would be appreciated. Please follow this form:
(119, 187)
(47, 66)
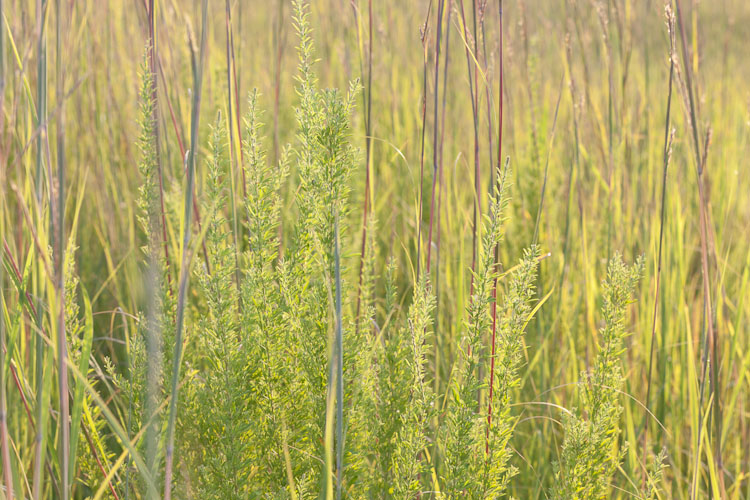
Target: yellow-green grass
(603, 194)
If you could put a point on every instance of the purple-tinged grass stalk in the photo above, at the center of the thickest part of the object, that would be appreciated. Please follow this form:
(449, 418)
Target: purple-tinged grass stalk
(152, 58)
(172, 116)
(2, 74)
(488, 96)
(439, 145)
(155, 65)
(604, 23)
(186, 255)
(666, 156)
(436, 172)
(473, 89)
(441, 5)
(441, 188)
(4, 437)
(529, 87)
(58, 201)
(40, 418)
(711, 341)
(41, 93)
(196, 211)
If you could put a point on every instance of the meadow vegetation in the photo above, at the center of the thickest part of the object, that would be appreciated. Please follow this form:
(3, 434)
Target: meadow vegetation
(374, 249)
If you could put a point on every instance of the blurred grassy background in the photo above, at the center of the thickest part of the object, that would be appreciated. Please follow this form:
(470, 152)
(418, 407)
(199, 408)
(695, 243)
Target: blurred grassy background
(607, 63)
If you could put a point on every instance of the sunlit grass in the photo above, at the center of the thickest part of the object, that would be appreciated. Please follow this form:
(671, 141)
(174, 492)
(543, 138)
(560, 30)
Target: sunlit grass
(114, 197)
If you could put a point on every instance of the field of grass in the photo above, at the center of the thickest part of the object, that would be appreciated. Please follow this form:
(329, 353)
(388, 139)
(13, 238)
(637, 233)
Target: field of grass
(508, 257)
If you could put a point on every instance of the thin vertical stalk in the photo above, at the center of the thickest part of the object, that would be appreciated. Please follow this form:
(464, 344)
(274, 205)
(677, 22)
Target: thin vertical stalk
(62, 345)
(435, 129)
(232, 155)
(665, 162)
(152, 58)
(487, 93)
(278, 42)
(339, 366)
(610, 128)
(529, 89)
(710, 338)
(172, 116)
(425, 28)
(441, 184)
(237, 93)
(41, 86)
(367, 101)
(230, 59)
(335, 377)
(40, 418)
(497, 250)
(475, 36)
(4, 439)
(196, 211)
(2, 73)
(40, 410)
(185, 265)
(546, 165)
(475, 114)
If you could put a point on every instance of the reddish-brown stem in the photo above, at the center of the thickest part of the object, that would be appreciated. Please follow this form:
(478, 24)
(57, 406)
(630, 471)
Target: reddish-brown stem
(665, 162)
(440, 159)
(710, 339)
(152, 55)
(435, 130)
(171, 110)
(99, 462)
(155, 67)
(16, 381)
(477, 185)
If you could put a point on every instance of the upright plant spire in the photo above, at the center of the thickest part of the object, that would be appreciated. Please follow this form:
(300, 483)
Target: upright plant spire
(590, 454)
(186, 255)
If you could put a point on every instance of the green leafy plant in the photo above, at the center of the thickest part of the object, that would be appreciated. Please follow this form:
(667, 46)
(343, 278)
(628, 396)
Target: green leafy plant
(591, 451)
(476, 458)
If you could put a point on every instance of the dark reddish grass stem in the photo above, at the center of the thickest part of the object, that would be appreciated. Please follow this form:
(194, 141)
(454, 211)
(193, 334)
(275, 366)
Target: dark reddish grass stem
(441, 6)
(475, 113)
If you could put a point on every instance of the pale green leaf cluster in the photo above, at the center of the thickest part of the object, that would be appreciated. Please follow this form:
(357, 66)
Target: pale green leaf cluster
(475, 454)
(591, 451)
